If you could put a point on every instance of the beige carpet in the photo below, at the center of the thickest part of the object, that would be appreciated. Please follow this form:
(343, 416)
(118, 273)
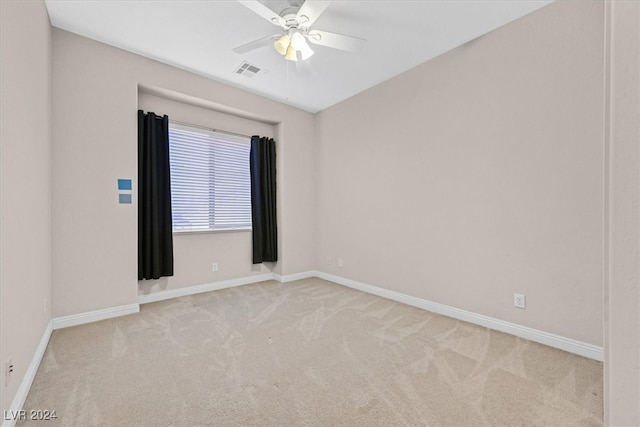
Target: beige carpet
(306, 353)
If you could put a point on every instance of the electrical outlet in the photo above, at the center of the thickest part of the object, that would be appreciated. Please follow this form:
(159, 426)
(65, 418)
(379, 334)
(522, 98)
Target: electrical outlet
(328, 260)
(44, 307)
(519, 301)
(8, 370)
(340, 262)
(214, 266)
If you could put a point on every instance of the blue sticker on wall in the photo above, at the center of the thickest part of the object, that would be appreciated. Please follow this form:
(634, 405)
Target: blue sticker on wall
(124, 184)
(124, 199)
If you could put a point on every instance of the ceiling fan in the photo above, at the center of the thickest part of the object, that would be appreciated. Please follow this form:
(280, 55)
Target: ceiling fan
(295, 23)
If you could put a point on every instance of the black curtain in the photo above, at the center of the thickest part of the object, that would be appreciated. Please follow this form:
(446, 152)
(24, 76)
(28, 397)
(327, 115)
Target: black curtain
(155, 234)
(263, 199)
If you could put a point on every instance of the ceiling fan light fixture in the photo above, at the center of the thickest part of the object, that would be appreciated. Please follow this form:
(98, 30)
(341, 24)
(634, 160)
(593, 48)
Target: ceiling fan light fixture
(305, 52)
(291, 54)
(300, 44)
(282, 44)
(297, 41)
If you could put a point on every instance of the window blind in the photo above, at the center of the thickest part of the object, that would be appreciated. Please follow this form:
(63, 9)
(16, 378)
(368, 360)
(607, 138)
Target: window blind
(210, 181)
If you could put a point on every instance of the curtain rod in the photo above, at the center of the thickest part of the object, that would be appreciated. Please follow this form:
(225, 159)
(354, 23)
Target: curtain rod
(207, 128)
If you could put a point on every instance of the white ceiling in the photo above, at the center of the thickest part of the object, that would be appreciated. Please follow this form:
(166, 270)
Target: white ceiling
(199, 36)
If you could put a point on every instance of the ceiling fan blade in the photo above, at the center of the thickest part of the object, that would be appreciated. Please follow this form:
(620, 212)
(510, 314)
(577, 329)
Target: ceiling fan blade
(263, 11)
(336, 41)
(312, 10)
(256, 44)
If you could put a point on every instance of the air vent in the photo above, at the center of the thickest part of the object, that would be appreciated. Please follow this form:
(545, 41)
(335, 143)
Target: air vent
(248, 70)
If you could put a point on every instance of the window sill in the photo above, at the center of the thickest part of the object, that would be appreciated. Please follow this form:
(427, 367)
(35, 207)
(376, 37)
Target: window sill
(210, 231)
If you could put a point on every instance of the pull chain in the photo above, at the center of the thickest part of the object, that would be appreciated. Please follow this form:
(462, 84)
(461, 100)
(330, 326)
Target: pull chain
(287, 82)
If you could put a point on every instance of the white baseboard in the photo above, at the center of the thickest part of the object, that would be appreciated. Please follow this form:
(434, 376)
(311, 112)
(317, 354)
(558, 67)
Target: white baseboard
(552, 340)
(224, 284)
(94, 316)
(292, 277)
(215, 286)
(27, 380)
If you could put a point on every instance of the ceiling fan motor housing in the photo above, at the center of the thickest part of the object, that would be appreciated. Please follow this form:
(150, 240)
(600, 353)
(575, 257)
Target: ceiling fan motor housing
(292, 20)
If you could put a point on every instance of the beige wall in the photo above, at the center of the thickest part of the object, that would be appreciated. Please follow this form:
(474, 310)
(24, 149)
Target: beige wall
(622, 319)
(95, 89)
(25, 153)
(478, 175)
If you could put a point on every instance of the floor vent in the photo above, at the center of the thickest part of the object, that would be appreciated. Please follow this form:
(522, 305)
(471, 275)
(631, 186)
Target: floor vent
(248, 70)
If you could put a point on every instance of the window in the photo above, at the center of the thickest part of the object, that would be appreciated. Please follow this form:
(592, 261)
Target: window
(210, 181)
